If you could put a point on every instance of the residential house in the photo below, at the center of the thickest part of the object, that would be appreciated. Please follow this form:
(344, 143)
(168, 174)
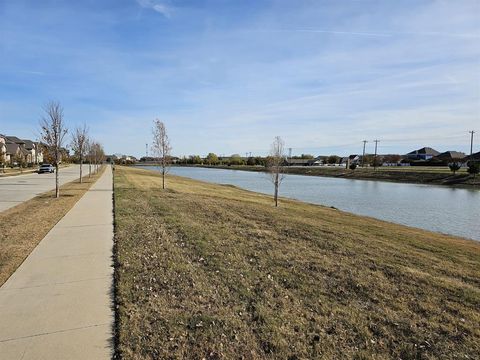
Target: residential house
(3, 150)
(319, 160)
(475, 157)
(27, 149)
(345, 161)
(448, 157)
(349, 160)
(16, 149)
(299, 162)
(14, 152)
(355, 159)
(425, 153)
(35, 155)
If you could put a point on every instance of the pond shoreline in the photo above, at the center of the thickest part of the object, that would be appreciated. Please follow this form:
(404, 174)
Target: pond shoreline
(444, 179)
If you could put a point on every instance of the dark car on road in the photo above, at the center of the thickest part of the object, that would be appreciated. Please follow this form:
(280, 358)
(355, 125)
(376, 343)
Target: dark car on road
(46, 168)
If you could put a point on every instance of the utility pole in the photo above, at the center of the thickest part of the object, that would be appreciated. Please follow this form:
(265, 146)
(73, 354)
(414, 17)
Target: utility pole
(471, 144)
(289, 153)
(375, 157)
(363, 156)
(471, 151)
(146, 151)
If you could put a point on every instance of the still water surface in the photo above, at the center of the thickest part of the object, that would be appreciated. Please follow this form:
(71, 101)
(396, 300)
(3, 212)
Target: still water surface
(436, 208)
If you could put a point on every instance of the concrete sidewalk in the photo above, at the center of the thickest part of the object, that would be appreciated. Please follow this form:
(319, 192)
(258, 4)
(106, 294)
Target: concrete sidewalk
(57, 305)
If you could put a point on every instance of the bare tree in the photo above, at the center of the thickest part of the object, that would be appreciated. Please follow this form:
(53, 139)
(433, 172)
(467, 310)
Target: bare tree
(98, 155)
(276, 165)
(95, 155)
(161, 148)
(88, 153)
(52, 133)
(93, 150)
(79, 142)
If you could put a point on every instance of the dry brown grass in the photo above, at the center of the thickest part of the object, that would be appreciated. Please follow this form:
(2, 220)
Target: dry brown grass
(22, 227)
(215, 272)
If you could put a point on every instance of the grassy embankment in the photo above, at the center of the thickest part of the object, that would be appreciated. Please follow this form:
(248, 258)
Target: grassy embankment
(23, 226)
(211, 271)
(415, 174)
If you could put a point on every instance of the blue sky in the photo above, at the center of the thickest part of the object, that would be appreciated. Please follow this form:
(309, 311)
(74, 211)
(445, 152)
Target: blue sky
(227, 76)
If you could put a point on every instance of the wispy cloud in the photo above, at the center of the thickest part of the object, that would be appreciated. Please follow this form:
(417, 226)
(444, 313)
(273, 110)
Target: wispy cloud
(375, 34)
(158, 6)
(30, 72)
(334, 32)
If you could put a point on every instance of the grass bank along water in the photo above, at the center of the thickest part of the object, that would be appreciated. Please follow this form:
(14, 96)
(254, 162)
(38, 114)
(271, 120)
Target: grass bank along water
(211, 271)
(435, 208)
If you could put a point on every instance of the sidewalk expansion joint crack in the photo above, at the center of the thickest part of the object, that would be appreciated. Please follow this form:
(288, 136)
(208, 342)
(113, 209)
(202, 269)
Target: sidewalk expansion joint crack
(53, 284)
(54, 332)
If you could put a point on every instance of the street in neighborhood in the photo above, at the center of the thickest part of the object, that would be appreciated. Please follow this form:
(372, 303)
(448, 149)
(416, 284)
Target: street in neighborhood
(17, 189)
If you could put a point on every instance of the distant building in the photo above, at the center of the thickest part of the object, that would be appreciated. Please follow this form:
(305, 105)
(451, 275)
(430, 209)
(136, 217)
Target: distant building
(299, 162)
(425, 153)
(13, 149)
(450, 156)
(320, 160)
(345, 161)
(475, 157)
(3, 150)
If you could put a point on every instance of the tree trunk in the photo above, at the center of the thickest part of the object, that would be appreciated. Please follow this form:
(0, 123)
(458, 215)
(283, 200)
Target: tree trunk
(57, 189)
(89, 169)
(163, 178)
(81, 162)
(276, 190)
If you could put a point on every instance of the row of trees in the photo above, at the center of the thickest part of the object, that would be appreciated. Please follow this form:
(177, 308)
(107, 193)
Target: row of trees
(235, 159)
(53, 133)
(87, 150)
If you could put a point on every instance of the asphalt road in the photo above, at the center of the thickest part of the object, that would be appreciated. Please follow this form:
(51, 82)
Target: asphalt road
(17, 189)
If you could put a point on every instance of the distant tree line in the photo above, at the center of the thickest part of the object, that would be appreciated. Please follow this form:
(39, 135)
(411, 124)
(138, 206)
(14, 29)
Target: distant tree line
(213, 159)
(369, 160)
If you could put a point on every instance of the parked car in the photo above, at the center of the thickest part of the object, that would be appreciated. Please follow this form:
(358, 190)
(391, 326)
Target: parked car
(46, 168)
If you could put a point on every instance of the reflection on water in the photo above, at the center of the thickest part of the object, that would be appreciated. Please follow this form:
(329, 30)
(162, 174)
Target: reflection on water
(436, 208)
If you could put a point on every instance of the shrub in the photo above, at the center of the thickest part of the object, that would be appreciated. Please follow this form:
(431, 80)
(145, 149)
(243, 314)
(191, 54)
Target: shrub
(353, 166)
(454, 167)
(473, 168)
